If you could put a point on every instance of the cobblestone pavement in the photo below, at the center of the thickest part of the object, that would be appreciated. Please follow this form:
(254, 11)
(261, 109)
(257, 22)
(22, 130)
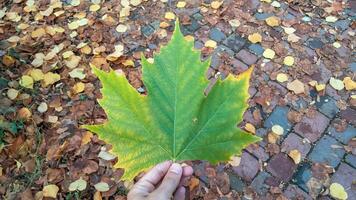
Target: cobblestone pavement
(304, 110)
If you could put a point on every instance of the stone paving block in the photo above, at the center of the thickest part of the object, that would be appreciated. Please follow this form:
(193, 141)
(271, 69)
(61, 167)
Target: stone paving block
(344, 136)
(281, 167)
(342, 24)
(293, 141)
(279, 117)
(315, 43)
(349, 114)
(258, 183)
(327, 151)
(224, 49)
(216, 35)
(312, 128)
(293, 192)
(248, 167)
(262, 16)
(257, 49)
(346, 176)
(236, 183)
(147, 30)
(258, 151)
(351, 159)
(299, 104)
(246, 57)
(234, 42)
(239, 66)
(327, 106)
(352, 66)
(302, 176)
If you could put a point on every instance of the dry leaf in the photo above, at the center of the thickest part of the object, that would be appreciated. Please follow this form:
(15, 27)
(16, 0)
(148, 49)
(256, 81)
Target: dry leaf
(269, 53)
(295, 155)
(273, 21)
(296, 86)
(289, 61)
(255, 38)
(336, 83)
(50, 191)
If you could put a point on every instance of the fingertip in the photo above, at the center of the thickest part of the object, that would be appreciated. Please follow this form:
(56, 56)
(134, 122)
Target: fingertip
(187, 171)
(180, 193)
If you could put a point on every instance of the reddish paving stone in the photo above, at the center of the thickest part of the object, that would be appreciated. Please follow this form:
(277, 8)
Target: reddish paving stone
(293, 141)
(293, 192)
(258, 151)
(346, 176)
(239, 66)
(349, 114)
(248, 167)
(246, 57)
(312, 128)
(281, 167)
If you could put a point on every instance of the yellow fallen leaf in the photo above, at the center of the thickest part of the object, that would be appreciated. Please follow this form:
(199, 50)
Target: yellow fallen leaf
(255, 38)
(73, 25)
(75, 3)
(295, 155)
(50, 78)
(79, 185)
(267, 1)
(94, 8)
(128, 63)
(336, 83)
(282, 77)
(338, 191)
(216, 4)
(24, 113)
(331, 19)
(97, 196)
(72, 62)
(36, 74)
(78, 88)
(210, 44)
(234, 161)
(38, 33)
(269, 53)
(337, 45)
(234, 23)
(50, 191)
(135, 2)
(277, 129)
(181, 4)
(86, 50)
(169, 15)
(121, 28)
(43, 107)
(293, 38)
(289, 30)
(12, 93)
(26, 82)
(8, 60)
(250, 128)
(67, 54)
(189, 38)
(87, 137)
(13, 39)
(320, 87)
(289, 61)
(349, 83)
(164, 25)
(273, 21)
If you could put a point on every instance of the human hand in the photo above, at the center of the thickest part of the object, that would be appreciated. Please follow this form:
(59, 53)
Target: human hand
(161, 183)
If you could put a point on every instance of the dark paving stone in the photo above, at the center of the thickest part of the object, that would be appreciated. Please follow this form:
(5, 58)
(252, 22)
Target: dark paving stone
(155, 24)
(293, 141)
(246, 57)
(327, 151)
(352, 66)
(302, 176)
(299, 104)
(198, 16)
(215, 61)
(261, 132)
(258, 151)
(192, 27)
(257, 49)
(198, 44)
(281, 167)
(327, 106)
(344, 136)
(147, 30)
(236, 183)
(248, 167)
(312, 128)
(294, 193)
(234, 42)
(351, 159)
(279, 117)
(217, 35)
(259, 185)
(342, 24)
(315, 43)
(346, 176)
(349, 114)
(262, 16)
(239, 66)
(224, 49)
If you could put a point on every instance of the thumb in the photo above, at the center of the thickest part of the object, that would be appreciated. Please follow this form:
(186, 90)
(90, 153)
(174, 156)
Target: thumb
(170, 181)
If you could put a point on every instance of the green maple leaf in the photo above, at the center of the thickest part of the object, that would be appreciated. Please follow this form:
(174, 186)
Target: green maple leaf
(175, 120)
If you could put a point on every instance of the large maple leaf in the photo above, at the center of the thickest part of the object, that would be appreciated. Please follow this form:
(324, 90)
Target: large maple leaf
(175, 120)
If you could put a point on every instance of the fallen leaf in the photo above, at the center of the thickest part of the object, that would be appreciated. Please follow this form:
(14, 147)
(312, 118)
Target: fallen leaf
(50, 191)
(12, 93)
(295, 155)
(338, 191)
(78, 88)
(106, 155)
(8, 60)
(235, 161)
(282, 77)
(42, 108)
(336, 83)
(293, 38)
(121, 28)
(24, 113)
(181, 4)
(36, 74)
(94, 7)
(337, 45)
(135, 2)
(216, 4)
(320, 87)
(289, 61)
(72, 62)
(273, 21)
(250, 128)
(38, 33)
(331, 19)
(26, 81)
(169, 15)
(102, 187)
(277, 129)
(13, 39)
(234, 23)
(210, 44)
(269, 53)
(289, 30)
(255, 38)
(79, 185)
(77, 73)
(86, 138)
(50, 78)
(349, 83)
(296, 86)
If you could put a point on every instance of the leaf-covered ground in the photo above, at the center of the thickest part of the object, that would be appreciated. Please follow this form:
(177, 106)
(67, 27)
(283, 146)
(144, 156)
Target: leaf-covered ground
(303, 93)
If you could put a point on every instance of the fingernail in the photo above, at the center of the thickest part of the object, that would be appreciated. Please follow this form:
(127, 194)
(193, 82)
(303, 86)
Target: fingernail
(176, 168)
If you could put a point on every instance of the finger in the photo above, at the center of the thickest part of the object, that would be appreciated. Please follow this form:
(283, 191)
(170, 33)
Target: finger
(180, 194)
(147, 183)
(183, 181)
(187, 171)
(170, 181)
